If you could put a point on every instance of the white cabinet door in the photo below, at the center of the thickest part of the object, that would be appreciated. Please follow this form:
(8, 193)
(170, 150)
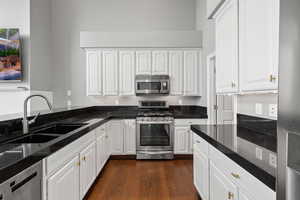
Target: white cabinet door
(87, 168)
(245, 196)
(143, 62)
(127, 73)
(110, 72)
(191, 141)
(191, 73)
(64, 184)
(160, 63)
(94, 72)
(259, 31)
(220, 186)
(100, 152)
(129, 137)
(201, 174)
(107, 147)
(176, 72)
(181, 145)
(227, 48)
(116, 134)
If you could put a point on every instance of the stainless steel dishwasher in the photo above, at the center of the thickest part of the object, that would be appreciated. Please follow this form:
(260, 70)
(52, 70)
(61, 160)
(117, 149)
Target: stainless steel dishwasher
(24, 186)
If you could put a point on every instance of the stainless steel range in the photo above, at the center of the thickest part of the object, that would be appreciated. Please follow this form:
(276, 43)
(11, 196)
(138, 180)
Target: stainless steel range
(155, 131)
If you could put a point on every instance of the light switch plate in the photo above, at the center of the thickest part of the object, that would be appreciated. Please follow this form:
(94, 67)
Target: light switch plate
(259, 153)
(273, 110)
(258, 109)
(273, 160)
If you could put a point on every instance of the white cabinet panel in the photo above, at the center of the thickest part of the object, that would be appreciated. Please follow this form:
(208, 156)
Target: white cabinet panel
(110, 72)
(220, 186)
(129, 137)
(94, 72)
(116, 137)
(246, 196)
(127, 73)
(201, 175)
(100, 151)
(227, 48)
(87, 168)
(191, 73)
(176, 72)
(160, 63)
(259, 30)
(64, 184)
(181, 145)
(143, 62)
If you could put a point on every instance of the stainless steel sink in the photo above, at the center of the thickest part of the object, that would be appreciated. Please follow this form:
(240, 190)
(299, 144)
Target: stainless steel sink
(33, 138)
(59, 129)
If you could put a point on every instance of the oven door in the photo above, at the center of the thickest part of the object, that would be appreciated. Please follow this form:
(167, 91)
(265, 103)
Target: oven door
(155, 136)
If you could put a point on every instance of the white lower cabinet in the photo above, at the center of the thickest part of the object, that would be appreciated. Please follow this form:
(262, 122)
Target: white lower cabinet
(64, 184)
(181, 145)
(217, 177)
(201, 177)
(70, 172)
(183, 136)
(87, 168)
(220, 186)
(123, 137)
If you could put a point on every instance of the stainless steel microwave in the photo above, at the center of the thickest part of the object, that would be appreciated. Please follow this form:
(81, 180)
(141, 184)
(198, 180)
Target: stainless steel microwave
(152, 85)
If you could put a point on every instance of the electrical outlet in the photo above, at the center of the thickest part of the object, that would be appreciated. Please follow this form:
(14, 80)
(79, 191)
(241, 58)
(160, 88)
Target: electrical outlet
(180, 101)
(69, 103)
(117, 102)
(258, 109)
(259, 153)
(273, 110)
(69, 93)
(273, 160)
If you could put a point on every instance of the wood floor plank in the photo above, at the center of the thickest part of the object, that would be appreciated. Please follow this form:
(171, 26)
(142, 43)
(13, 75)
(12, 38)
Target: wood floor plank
(145, 180)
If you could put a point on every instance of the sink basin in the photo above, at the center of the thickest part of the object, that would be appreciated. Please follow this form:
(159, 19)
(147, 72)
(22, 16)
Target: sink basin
(34, 138)
(60, 128)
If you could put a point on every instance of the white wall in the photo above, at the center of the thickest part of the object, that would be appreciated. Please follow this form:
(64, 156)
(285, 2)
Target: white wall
(69, 17)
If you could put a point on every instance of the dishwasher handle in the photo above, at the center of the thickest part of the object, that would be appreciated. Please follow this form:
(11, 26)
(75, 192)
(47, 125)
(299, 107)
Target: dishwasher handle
(23, 182)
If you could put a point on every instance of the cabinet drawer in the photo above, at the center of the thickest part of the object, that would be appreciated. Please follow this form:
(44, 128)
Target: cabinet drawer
(245, 180)
(200, 144)
(60, 157)
(186, 122)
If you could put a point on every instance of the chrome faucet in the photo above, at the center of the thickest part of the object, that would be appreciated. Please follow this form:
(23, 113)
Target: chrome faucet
(25, 121)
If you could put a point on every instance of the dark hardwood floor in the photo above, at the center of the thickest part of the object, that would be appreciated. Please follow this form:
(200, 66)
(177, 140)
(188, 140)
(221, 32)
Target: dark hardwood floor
(145, 180)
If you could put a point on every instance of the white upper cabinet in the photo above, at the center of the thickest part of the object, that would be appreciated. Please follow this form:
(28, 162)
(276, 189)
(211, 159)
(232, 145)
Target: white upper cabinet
(143, 62)
(259, 31)
(127, 73)
(227, 48)
(94, 72)
(191, 68)
(110, 72)
(160, 63)
(176, 72)
(211, 7)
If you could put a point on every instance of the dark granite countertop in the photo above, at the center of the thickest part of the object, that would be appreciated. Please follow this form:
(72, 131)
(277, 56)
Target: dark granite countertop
(239, 143)
(14, 158)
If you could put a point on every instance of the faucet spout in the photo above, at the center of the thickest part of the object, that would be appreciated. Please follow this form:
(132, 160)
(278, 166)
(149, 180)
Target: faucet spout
(25, 121)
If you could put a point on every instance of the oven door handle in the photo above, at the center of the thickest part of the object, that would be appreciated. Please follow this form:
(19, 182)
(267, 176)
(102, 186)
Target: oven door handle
(152, 122)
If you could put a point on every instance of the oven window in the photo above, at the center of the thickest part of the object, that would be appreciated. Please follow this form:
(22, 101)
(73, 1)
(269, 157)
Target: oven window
(155, 135)
(149, 86)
